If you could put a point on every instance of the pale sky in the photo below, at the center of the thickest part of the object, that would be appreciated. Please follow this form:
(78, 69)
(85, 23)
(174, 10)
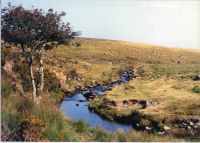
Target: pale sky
(173, 23)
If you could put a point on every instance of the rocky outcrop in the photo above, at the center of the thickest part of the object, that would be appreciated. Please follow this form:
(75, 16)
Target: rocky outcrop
(187, 124)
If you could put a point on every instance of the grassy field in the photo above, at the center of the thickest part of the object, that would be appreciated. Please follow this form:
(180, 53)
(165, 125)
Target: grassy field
(101, 60)
(164, 78)
(169, 98)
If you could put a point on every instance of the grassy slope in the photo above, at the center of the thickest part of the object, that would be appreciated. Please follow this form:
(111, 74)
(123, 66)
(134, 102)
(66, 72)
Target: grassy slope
(100, 60)
(165, 74)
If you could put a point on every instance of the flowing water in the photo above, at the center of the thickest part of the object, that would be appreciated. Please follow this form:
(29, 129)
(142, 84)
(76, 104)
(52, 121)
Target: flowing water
(75, 107)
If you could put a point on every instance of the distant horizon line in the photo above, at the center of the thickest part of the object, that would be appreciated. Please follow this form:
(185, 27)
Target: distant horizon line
(145, 43)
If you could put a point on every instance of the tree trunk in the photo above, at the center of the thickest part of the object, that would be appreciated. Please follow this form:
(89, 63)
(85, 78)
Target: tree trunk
(29, 59)
(33, 83)
(41, 75)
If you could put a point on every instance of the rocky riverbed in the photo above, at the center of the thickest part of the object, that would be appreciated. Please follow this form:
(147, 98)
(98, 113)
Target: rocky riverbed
(75, 104)
(82, 97)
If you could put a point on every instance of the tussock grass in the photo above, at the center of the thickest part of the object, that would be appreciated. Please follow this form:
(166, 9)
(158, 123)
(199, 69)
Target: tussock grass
(196, 89)
(15, 111)
(164, 77)
(8, 110)
(58, 128)
(100, 61)
(167, 102)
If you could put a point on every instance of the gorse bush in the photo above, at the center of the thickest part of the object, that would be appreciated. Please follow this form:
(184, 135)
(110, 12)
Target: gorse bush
(17, 109)
(57, 127)
(31, 129)
(19, 112)
(15, 113)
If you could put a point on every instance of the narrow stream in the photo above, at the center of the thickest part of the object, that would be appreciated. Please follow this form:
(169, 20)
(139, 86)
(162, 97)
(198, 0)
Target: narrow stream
(75, 107)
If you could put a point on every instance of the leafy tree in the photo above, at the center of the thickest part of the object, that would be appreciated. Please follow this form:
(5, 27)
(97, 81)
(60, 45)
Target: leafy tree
(35, 31)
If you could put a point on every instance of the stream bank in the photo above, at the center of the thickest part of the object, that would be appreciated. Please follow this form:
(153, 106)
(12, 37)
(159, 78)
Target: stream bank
(75, 106)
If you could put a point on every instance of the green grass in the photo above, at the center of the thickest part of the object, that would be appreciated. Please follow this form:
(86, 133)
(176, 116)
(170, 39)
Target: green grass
(180, 71)
(173, 95)
(16, 109)
(6, 89)
(58, 128)
(165, 76)
(8, 110)
(101, 135)
(102, 60)
(196, 89)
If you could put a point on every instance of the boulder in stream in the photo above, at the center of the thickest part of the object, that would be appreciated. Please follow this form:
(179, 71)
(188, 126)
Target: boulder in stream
(90, 95)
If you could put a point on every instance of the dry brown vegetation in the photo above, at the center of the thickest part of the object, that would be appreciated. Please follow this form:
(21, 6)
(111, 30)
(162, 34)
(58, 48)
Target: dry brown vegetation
(164, 78)
(101, 60)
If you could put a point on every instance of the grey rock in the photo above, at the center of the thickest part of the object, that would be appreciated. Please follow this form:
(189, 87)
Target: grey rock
(184, 124)
(189, 127)
(138, 125)
(166, 128)
(191, 123)
(78, 79)
(161, 133)
(148, 128)
(198, 124)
